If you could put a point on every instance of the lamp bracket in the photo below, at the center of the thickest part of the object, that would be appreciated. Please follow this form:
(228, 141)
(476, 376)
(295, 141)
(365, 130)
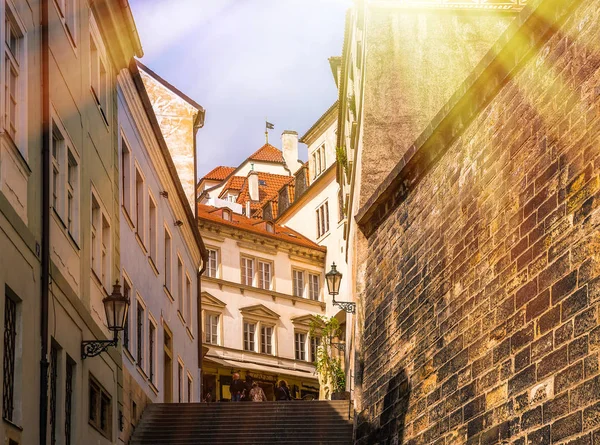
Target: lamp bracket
(346, 306)
(92, 348)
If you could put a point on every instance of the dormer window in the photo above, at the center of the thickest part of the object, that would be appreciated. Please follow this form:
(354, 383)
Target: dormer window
(270, 227)
(227, 215)
(262, 182)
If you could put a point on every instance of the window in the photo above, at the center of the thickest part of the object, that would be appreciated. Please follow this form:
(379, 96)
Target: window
(167, 260)
(98, 71)
(152, 222)
(57, 156)
(189, 388)
(270, 227)
(13, 77)
(100, 415)
(319, 161)
(300, 346)
(313, 286)
(72, 194)
(69, 380)
(67, 11)
(340, 205)
(211, 323)
(96, 235)
(180, 289)
(53, 388)
(298, 283)
(105, 273)
(231, 198)
(266, 340)
(247, 271)
(180, 381)
(226, 215)
(249, 336)
(315, 342)
(126, 175)
(189, 300)
(140, 335)
(264, 275)
(151, 352)
(323, 219)
(126, 293)
(213, 263)
(139, 205)
(10, 346)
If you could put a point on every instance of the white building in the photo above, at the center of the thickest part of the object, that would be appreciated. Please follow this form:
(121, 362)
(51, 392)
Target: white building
(161, 254)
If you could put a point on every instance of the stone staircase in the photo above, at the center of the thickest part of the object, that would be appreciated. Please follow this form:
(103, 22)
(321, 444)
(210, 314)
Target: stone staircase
(293, 422)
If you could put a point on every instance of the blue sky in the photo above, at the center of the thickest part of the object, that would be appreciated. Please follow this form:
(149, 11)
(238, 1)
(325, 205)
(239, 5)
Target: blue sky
(243, 60)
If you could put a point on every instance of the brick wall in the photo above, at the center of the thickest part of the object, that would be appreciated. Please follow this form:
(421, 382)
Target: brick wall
(482, 288)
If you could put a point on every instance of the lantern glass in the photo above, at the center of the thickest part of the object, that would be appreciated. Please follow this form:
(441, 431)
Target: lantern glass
(115, 306)
(334, 279)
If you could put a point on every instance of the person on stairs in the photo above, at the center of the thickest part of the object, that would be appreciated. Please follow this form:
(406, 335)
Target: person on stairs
(236, 388)
(257, 394)
(247, 388)
(283, 393)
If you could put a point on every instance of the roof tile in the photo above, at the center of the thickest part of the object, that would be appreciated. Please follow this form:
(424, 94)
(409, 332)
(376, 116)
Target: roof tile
(219, 173)
(267, 153)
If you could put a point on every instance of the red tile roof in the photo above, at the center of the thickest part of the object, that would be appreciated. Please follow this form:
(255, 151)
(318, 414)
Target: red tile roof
(235, 183)
(267, 153)
(214, 214)
(268, 186)
(219, 173)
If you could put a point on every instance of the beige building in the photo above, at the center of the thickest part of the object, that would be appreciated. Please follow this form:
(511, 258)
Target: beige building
(161, 248)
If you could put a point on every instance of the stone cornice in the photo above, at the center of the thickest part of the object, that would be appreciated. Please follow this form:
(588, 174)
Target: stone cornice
(527, 32)
(274, 295)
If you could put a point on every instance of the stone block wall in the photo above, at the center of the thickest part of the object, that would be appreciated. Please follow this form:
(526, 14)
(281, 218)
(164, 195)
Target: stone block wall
(482, 295)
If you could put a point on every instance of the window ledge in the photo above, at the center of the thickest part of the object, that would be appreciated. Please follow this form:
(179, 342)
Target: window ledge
(153, 387)
(60, 220)
(98, 282)
(153, 266)
(12, 424)
(181, 319)
(141, 243)
(105, 434)
(168, 293)
(141, 372)
(127, 217)
(74, 242)
(128, 355)
(16, 152)
(189, 333)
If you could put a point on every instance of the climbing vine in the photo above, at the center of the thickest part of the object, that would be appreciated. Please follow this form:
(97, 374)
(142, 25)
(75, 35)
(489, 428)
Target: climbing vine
(329, 368)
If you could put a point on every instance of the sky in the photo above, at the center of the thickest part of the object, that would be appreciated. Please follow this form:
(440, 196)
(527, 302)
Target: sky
(244, 61)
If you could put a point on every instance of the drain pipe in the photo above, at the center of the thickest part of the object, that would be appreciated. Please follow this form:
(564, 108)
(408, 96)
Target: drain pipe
(199, 123)
(45, 224)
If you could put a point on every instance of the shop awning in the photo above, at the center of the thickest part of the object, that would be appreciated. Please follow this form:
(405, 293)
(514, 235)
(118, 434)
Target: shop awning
(261, 368)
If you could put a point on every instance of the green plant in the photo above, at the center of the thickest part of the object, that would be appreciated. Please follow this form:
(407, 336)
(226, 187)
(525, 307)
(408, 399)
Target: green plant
(342, 157)
(329, 368)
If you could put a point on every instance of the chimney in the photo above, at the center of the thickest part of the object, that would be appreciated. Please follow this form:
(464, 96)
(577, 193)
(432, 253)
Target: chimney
(253, 185)
(289, 147)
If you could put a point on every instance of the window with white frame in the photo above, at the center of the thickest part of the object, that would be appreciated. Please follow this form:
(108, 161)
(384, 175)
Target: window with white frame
(139, 205)
(300, 345)
(314, 288)
(315, 342)
(180, 381)
(319, 161)
(141, 317)
(190, 385)
(98, 70)
(189, 300)
(101, 243)
(323, 219)
(211, 328)
(72, 194)
(152, 224)
(213, 263)
(58, 148)
(14, 78)
(249, 336)
(167, 259)
(298, 283)
(126, 175)
(126, 333)
(96, 234)
(151, 351)
(105, 252)
(264, 274)
(67, 10)
(180, 288)
(266, 339)
(247, 271)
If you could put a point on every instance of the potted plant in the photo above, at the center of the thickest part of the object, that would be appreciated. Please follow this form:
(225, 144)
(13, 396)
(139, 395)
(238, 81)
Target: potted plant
(332, 379)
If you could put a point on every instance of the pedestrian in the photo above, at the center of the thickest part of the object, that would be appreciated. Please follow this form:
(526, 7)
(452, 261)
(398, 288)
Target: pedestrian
(283, 393)
(236, 388)
(208, 395)
(247, 388)
(257, 394)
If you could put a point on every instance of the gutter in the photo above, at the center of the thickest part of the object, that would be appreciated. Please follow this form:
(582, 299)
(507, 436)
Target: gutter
(44, 365)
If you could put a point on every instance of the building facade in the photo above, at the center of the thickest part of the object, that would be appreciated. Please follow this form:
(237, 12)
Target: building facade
(474, 252)
(161, 258)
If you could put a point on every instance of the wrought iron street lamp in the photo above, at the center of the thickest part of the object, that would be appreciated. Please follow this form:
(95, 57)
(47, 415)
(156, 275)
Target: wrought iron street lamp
(116, 307)
(334, 278)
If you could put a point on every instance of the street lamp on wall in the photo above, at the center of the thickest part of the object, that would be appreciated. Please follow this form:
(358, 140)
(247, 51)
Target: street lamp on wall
(334, 278)
(116, 308)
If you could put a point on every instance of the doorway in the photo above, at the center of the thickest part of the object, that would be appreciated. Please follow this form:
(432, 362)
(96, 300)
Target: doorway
(209, 383)
(168, 365)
